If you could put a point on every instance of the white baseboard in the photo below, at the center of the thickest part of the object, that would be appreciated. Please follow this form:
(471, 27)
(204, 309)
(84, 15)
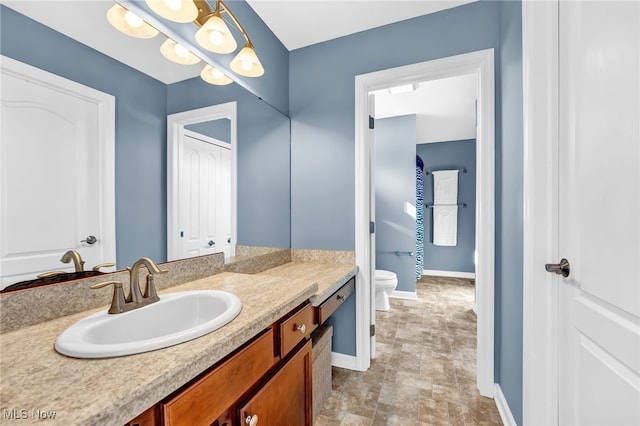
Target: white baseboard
(503, 408)
(343, 361)
(450, 274)
(409, 295)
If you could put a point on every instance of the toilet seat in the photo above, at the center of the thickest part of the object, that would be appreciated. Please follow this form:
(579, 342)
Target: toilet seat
(382, 275)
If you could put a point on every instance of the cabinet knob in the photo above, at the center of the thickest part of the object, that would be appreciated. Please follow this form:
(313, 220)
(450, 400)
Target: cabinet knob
(251, 420)
(340, 297)
(301, 328)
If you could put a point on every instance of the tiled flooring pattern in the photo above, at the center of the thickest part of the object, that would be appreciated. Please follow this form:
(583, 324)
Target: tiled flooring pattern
(425, 370)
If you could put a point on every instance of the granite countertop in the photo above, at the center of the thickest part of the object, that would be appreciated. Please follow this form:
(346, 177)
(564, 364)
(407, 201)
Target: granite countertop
(329, 277)
(36, 380)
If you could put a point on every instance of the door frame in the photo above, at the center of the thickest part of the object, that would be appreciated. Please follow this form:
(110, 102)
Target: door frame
(175, 140)
(480, 63)
(540, 40)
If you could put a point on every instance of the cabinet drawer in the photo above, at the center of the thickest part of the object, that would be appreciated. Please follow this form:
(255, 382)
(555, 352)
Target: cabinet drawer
(330, 305)
(285, 399)
(148, 418)
(297, 327)
(202, 402)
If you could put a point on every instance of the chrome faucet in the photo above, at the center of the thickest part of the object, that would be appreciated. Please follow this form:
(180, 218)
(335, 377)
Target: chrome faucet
(78, 263)
(136, 298)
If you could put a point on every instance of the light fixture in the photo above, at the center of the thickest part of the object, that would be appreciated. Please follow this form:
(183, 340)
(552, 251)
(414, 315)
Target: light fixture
(174, 10)
(247, 63)
(177, 53)
(214, 76)
(129, 23)
(215, 35)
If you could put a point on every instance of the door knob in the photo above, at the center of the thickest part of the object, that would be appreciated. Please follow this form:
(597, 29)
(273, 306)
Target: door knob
(89, 240)
(563, 268)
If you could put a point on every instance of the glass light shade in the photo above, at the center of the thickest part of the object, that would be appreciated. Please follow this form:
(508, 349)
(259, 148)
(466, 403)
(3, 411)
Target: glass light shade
(214, 76)
(215, 36)
(174, 10)
(177, 53)
(247, 63)
(129, 23)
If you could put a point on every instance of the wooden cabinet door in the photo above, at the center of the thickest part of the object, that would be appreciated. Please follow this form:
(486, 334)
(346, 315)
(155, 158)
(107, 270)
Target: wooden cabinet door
(284, 400)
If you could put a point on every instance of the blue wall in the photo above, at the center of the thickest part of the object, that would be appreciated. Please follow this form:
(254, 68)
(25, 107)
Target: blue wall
(140, 138)
(509, 208)
(395, 176)
(217, 129)
(322, 128)
(446, 156)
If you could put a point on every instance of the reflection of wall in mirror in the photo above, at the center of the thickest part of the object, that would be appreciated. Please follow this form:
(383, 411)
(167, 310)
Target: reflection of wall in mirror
(142, 104)
(216, 129)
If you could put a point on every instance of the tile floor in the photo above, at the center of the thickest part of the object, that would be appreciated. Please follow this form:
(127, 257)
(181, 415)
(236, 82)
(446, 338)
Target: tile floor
(425, 370)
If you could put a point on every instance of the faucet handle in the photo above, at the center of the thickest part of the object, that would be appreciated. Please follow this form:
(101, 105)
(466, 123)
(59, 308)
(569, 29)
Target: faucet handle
(103, 265)
(51, 274)
(117, 302)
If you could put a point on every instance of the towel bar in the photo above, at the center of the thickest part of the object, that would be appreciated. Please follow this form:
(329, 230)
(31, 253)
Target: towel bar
(462, 170)
(430, 206)
(404, 253)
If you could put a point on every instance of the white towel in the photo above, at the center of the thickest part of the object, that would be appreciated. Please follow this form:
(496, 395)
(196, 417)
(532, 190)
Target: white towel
(445, 187)
(445, 209)
(445, 225)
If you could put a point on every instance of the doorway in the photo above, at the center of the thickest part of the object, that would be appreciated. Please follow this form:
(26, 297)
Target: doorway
(177, 138)
(480, 64)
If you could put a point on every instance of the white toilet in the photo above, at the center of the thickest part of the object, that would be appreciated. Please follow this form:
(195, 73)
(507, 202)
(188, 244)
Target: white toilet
(386, 282)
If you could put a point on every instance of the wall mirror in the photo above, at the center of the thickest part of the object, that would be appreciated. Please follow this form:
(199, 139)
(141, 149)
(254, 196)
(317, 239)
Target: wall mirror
(142, 105)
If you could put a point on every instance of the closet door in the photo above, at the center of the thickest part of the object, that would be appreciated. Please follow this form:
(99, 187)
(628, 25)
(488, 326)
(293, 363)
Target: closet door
(56, 181)
(206, 198)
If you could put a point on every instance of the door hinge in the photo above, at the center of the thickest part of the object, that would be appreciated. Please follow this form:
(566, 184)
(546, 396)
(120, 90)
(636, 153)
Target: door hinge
(181, 234)
(372, 122)
(372, 227)
(372, 330)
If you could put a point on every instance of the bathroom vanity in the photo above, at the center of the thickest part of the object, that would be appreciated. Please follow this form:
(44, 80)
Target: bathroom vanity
(249, 383)
(227, 377)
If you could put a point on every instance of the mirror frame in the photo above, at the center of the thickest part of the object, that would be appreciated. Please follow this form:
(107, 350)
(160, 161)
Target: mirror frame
(175, 140)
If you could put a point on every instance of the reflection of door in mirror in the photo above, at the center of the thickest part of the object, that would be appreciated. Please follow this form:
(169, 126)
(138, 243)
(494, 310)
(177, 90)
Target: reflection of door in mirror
(205, 189)
(201, 182)
(57, 173)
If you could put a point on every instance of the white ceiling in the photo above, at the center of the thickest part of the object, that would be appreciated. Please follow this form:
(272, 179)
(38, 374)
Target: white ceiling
(302, 23)
(445, 108)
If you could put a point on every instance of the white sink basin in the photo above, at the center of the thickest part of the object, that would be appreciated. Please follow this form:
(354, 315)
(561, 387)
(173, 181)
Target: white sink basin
(176, 318)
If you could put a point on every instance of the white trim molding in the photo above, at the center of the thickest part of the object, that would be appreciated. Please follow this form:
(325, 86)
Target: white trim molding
(503, 408)
(450, 274)
(175, 139)
(407, 295)
(343, 361)
(480, 64)
(540, 298)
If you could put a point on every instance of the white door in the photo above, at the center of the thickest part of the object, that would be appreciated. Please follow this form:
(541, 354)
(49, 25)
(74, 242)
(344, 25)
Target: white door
(206, 196)
(52, 158)
(599, 220)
